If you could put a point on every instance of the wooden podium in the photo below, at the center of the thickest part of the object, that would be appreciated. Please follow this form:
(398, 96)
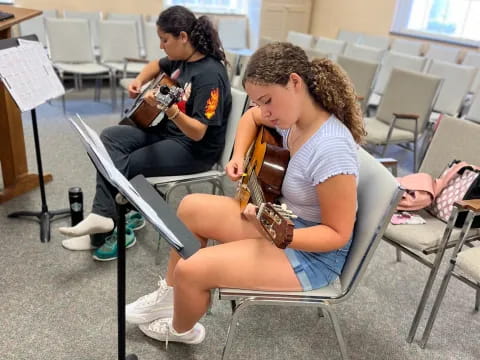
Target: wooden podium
(16, 178)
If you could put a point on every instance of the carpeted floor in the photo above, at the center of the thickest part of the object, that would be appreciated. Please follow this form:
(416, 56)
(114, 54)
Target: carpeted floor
(57, 304)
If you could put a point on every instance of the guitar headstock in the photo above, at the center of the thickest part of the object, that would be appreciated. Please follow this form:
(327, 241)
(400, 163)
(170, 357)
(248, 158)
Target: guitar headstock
(278, 227)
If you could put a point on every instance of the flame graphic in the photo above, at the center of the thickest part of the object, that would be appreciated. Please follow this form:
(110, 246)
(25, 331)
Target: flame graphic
(212, 104)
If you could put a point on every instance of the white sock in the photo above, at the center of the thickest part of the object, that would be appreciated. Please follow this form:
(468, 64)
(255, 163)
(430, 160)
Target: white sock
(92, 224)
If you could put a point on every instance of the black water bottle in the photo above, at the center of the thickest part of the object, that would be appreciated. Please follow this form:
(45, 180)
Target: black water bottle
(75, 197)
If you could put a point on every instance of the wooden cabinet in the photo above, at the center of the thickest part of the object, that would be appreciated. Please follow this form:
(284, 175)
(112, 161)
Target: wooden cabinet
(280, 16)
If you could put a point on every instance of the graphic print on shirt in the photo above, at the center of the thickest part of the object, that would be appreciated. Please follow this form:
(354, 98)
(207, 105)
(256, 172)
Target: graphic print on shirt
(212, 104)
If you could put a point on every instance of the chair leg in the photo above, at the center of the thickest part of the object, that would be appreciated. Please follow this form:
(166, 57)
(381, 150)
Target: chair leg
(431, 277)
(338, 332)
(399, 255)
(477, 298)
(232, 327)
(415, 155)
(436, 306)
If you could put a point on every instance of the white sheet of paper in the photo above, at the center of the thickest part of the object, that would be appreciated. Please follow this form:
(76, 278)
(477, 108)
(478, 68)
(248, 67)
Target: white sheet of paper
(28, 74)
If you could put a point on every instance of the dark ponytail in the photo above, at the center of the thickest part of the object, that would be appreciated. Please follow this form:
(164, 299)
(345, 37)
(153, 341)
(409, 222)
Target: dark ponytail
(201, 32)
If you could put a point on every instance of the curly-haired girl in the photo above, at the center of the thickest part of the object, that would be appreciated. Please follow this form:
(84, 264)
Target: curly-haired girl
(314, 108)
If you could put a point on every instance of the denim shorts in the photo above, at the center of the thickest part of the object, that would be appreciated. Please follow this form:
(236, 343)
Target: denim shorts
(316, 269)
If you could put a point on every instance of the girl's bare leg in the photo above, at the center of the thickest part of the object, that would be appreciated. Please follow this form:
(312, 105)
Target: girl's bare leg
(211, 217)
(250, 264)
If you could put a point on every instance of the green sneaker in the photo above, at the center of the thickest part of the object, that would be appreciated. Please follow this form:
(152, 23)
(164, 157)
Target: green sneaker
(134, 220)
(108, 251)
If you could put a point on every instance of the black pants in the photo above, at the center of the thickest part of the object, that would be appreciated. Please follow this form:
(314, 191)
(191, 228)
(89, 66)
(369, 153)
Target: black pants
(135, 151)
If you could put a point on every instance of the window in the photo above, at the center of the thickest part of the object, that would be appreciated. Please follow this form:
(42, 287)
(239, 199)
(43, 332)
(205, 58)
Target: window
(454, 21)
(212, 6)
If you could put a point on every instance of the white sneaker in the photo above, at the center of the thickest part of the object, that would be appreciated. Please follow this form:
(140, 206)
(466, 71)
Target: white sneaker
(162, 330)
(156, 305)
(78, 243)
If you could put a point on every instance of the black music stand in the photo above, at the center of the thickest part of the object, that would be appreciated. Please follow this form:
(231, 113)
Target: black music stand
(44, 216)
(127, 198)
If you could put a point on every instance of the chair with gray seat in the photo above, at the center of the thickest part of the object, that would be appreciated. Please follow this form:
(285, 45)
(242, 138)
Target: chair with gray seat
(348, 36)
(403, 112)
(390, 61)
(473, 112)
(331, 47)
(377, 196)
(362, 73)
(93, 18)
(300, 39)
(473, 59)
(71, 51)
(375, 41)
(405, 46)
(363, 52)
(36, 25)
(457, 80)
(214, 176)
(464, 265)
(454, 139)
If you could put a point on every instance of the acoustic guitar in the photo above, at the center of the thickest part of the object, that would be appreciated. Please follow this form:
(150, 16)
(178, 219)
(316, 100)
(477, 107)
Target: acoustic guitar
(167, 93)
(265, 165)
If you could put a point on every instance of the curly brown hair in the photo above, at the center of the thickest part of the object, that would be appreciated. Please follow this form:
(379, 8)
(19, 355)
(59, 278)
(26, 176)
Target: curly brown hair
(327, 82)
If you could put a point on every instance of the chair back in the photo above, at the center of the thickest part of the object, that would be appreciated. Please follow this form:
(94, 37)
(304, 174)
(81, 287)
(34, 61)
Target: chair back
(457, 80)
(408, 92)
(348, 36)
(300, 39)
(242, 66)
(442, 53)
(331, 47)
(365, 53)
(152, 42)
(377, 196)
(233, 31)
(69, 40)
(93, 19)
(473, 59)
(239, 101)
(264, 40)
(362, 73)
(315, 54)
(474, 110)
(375, 41)
(139, 23)
(454, 139)
(118, 40)
(396, 60)
(405, 46)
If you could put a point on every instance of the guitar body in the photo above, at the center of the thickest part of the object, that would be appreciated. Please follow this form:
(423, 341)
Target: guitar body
(265, 170)
(141, 113)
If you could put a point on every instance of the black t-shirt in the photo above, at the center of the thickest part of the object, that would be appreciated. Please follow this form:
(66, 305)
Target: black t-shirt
(207, 98)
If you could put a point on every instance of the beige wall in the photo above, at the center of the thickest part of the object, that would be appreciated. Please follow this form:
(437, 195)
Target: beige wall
(368, 16)
(146, 7)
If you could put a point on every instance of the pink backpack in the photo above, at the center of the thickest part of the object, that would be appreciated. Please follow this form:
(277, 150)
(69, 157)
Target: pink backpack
(421, 189)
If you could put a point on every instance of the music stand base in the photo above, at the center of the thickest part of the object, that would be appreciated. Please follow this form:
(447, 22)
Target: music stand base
(44, 217)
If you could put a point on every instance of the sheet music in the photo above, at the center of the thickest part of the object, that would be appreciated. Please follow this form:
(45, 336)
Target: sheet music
(97, 150)
(28, 74)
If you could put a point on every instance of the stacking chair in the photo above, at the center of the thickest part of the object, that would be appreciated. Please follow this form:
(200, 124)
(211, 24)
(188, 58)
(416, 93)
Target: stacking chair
(242, 66)
(403, 112)
(300, 39)
(93, 19)
(118, 41)
(71, 51)
(233, 31)
(348, 36)
(365, 53)
(36, 25)
(139, 24)
(405, 46)
(467, 261)
(453, 139)
(216, 174)
(362, 73)
(442, 53)
(457, 80)
(375, 41)
(473, 59)
(473, 112)
(390, 61)
(377, 196)
(331, 47)
(315, 54)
